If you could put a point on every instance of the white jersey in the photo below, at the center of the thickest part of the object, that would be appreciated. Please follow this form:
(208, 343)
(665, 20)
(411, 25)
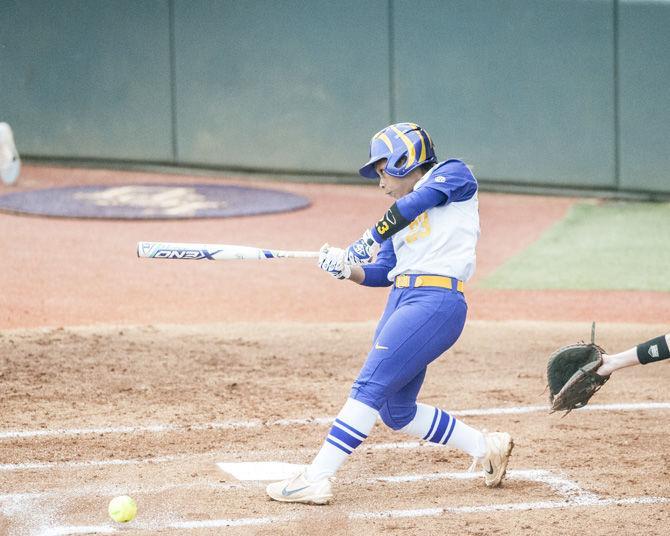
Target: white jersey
(441, 240)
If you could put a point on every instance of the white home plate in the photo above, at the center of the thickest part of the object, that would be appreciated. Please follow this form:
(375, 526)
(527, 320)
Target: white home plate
(261, 470)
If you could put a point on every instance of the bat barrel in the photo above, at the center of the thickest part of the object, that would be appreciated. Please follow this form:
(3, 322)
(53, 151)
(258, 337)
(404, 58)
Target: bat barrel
(213, 252)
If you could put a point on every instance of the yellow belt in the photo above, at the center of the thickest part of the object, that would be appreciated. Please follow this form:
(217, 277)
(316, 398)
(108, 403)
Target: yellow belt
(407, 281)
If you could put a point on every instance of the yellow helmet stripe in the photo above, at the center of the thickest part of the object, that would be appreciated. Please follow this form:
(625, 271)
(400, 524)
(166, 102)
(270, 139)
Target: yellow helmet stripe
(422, 155)
(410, 147)
(385, 139)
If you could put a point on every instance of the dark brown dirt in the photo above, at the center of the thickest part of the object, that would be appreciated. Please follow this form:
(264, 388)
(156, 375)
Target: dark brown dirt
(108, 377)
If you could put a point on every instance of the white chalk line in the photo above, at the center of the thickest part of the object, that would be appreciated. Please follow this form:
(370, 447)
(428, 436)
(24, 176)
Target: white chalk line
(558, 483)
(287, 422)
(575, 495)
(262, 454)
(257, 423)
(414, 513)
(113, 491)
(92, 529)
(572, 496)
(28, 466)
(148, 429)
(539, 505)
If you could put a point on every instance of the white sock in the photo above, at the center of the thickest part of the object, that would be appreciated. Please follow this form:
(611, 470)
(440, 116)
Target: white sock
(352, 425)
(437, 426)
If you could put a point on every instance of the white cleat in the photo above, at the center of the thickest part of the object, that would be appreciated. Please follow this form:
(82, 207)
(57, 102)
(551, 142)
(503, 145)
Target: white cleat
(299, 489)
(499, 447)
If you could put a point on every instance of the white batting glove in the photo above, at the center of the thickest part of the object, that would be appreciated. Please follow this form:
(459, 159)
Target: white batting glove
(361, 251)
(331, 260)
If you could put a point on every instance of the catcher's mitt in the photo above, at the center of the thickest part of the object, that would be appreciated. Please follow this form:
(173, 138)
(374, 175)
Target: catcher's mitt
(571, 375)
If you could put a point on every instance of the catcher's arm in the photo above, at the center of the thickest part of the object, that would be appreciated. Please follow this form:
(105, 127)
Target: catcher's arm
(656, 349)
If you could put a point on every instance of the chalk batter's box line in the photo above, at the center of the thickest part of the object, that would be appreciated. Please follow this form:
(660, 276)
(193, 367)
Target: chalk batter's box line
(560, 484)
(573, 496)
(37, 466)
(388, 514)
(159, 428)
(262, 455)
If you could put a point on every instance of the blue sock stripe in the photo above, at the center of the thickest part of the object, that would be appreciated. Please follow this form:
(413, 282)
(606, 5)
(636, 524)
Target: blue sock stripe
(345, 437)
(430, 430)
(441, 428)
(451, 429)
(345, 425)
(440, 438)
(338, 446)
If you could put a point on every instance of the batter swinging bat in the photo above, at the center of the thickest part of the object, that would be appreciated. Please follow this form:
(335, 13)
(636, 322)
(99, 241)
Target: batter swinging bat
(213, 252)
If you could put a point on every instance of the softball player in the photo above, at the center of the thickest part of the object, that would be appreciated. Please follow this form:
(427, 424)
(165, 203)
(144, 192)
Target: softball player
(425, 249)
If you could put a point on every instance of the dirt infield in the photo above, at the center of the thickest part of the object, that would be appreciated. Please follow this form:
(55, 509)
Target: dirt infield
(122, 375)
(194, 396)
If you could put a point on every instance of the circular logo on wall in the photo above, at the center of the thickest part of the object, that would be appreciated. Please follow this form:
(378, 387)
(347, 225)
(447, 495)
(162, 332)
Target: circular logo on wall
(151, 201)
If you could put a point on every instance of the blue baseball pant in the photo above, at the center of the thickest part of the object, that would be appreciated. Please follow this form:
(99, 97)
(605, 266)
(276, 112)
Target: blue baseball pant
(417, 326)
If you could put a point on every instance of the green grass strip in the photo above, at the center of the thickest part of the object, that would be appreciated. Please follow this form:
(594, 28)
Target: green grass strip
(608, 246)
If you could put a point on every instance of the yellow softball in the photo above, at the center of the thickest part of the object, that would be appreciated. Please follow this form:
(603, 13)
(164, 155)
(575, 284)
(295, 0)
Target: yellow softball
(122, 509)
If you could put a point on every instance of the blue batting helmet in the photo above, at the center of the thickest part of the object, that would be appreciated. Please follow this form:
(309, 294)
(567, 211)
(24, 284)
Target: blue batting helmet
(405, 146)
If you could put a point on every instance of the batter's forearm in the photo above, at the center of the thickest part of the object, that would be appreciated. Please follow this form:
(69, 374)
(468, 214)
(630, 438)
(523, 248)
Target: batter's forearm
(357, 274)
(392, 222)
(405, 210)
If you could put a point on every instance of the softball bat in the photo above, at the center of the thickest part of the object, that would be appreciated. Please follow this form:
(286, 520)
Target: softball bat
(214, 252)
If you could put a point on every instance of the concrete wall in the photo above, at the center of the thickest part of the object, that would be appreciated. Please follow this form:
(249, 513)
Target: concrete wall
(87, 78)
(535, 92)
(644, 95)
(522, 90)
(280, 85)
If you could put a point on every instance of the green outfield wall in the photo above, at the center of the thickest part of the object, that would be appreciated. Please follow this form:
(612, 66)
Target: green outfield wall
(87, 79)
(559, 93)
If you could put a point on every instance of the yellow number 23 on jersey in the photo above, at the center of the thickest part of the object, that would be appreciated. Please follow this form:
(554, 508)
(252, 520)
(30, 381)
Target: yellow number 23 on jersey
(419, 228)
